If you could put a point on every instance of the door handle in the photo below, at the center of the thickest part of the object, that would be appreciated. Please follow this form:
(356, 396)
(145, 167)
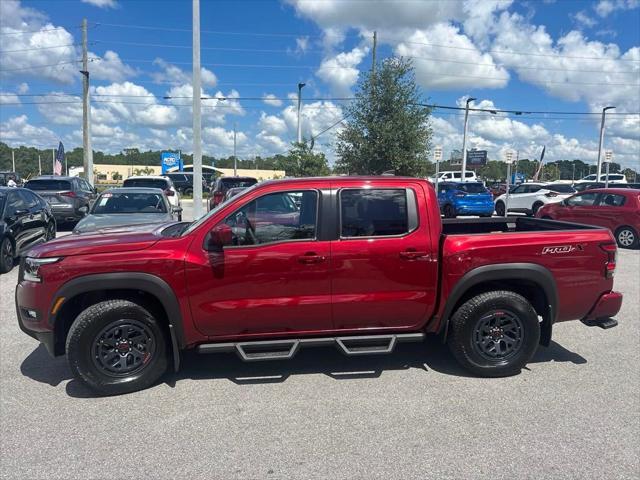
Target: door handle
(413, 254)
(310, 258)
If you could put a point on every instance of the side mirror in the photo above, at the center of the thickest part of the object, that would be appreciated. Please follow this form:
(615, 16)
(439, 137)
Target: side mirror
(218, 238)
(176, 209)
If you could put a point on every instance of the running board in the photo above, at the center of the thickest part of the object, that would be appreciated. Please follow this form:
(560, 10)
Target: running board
(286, 349)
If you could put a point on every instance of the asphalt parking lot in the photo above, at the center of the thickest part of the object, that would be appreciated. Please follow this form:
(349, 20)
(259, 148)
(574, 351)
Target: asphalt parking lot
(413, 414)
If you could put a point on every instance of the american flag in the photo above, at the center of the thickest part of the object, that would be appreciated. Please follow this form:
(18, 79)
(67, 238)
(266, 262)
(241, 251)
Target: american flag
(57, 166)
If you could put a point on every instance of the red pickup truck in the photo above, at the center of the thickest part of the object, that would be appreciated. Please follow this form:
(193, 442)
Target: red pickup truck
(362, 263)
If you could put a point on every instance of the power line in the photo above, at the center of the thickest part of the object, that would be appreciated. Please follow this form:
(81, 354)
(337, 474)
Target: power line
(41, 48)
(21, 32)
(531, 54)
(38, 66)
(188, 47)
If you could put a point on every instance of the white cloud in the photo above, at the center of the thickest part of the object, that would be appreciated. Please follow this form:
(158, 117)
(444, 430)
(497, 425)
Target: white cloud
(8, 98)
(271, 99)
(18, 131)
(340, 71)
(102, 3)
(584, 20)
(172, 74)
(605, 7)
(217, 138)
(23, 88)
(109, 67)
(272, 124)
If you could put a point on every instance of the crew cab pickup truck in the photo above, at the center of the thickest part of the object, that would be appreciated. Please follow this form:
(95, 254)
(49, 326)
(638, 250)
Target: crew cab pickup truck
(362, 263)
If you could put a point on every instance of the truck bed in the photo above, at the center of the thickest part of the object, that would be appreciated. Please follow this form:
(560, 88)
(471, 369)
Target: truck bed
(467, 226)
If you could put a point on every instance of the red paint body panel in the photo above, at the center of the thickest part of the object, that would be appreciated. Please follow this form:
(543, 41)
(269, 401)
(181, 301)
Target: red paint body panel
(608, 305)
(358, 285)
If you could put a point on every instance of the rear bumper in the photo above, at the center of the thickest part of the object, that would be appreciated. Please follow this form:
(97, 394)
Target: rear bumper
(482, 209)
(608, 305)
(63, 213)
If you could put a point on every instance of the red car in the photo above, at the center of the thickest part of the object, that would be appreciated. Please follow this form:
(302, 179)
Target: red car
(617, 209)
(361, 263)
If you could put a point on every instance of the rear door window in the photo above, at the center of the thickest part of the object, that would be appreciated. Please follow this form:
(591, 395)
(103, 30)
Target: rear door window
(373, 212)
(583, 200)
(612, 200)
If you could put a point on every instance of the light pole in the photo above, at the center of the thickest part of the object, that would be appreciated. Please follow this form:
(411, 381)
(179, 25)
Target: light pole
(608, 157)
(509, 159)
(604, 110)
(197, 113)
(300, 85)
(437, 156)
(464, 140)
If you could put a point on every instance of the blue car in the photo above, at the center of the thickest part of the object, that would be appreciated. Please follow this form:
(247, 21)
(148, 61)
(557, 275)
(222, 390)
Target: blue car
(464, 198)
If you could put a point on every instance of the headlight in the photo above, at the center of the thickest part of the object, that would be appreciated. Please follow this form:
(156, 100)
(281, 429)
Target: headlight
(32, 267)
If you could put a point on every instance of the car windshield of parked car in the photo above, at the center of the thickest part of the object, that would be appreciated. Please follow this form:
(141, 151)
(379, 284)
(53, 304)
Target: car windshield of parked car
(146, 183)
(472, 187)
(561, 188)
(46, 184)
(116, 203)
(238, 182)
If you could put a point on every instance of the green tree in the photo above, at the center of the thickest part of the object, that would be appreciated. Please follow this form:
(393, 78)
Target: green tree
(301, 161)
(386, 128)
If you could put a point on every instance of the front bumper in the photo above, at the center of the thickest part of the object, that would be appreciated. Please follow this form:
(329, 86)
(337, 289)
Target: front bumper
(36, 327)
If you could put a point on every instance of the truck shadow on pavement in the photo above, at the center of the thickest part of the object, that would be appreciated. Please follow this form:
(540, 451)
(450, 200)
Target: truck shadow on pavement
(430, 356)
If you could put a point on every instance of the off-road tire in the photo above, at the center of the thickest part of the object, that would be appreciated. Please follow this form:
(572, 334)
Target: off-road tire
(82, 347)
(469, 316)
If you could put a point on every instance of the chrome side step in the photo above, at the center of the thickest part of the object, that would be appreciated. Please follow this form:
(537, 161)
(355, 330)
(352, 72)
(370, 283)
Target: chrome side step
(287, 348)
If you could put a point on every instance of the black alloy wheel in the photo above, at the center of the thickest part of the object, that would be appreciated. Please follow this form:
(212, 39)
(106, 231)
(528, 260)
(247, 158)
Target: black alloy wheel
(7, 255)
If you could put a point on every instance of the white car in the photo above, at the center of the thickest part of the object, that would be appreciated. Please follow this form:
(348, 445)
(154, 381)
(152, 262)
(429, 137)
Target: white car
(529, 197)
(613, 178)
(154, 181)
(454, 176)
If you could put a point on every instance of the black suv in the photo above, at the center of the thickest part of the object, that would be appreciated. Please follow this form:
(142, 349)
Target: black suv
(70, 197)
(183, 181)
(221, 185)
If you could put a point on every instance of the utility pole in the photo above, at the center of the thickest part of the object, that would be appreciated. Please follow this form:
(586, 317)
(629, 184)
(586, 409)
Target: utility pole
(573, 173)
(437, 156)
(13, 160)
(604, 110)
(299, 137)
(608, 158)
(235, 158)
(197, 120)
(87, 155)
(509, 155)
(39, 166)
(53, 161)
(464, 141)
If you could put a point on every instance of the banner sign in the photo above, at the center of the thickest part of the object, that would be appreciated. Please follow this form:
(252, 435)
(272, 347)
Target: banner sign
(476, 157)
(170, 161)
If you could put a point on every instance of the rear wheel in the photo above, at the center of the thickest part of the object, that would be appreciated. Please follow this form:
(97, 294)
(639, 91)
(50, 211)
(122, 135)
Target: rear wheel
(449, 211)
(500, 211)
(536, 206)
(51, 231)
(7, 255)
(188, 191)
(117, 346)
(627, 237)
(494, 334)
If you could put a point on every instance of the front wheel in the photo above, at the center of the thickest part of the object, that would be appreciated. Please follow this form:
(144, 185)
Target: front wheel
(7, 255)
(117, 346)
(494, 334)
(500, 209)
(626, 237)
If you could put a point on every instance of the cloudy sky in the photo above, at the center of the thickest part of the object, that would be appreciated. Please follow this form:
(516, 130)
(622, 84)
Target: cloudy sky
(534, 56)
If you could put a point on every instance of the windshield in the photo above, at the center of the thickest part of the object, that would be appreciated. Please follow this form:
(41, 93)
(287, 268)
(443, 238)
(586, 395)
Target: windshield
(561, 188)
(146, 183)
(48, 184)
(193, 225)
(115, 203)
(471, 187)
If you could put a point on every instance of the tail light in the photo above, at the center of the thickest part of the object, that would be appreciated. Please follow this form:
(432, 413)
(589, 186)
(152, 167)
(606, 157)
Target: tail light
(169, 193)
(68, 194)
(612, 254)
(217, 198)
(551, 194)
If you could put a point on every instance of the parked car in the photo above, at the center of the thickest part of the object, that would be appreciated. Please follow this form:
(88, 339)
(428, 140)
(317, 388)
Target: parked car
(464, 198)
(6, 176)
(454, 176)
(70, 197)
(232, 192)
(163, 183)
(617, 209)
(222, 184)
(183, 182)
(613, 178)
(581, 187)
(25, 220)
(497, 189)
(529, 197)
(119, 207)
(362, 263)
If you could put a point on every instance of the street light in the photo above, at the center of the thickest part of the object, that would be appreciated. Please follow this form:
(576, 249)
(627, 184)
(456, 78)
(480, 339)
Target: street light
(464, 140)
(509, 161)
(437, 156)
(608, 157)
(604, 110)
(300, 85)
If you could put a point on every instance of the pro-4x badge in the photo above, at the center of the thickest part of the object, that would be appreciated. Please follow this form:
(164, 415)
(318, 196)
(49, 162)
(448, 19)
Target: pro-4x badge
(558, 249)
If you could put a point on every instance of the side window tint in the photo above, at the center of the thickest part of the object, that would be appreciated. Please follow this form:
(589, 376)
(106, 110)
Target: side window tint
(275, 217)
(584, 200)
(29, 198)
(612, 200)
(377, 212)
(14, 203)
